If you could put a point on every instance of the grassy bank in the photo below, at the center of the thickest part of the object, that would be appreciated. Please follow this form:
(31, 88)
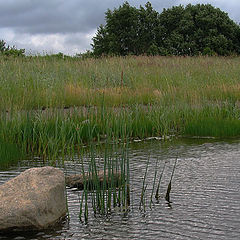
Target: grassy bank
(115, 98)
(27, 83)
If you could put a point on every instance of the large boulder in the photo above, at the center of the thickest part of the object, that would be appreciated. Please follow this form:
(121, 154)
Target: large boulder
(35, 199)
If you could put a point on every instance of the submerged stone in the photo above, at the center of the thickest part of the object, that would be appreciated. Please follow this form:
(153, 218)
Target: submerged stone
(35, 199)
(93, 181)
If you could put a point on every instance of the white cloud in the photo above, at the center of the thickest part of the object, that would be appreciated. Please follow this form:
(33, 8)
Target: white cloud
(48, 43)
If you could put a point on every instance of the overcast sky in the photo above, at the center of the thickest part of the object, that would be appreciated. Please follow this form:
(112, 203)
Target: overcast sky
(51, 26)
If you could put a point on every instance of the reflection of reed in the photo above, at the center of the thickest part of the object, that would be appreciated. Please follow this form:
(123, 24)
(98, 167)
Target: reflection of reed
(142, 200)
(159, 181)
(167, 197)
(106, 187)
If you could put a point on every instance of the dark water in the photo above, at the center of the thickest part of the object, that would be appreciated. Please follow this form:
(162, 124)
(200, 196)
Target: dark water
(205, 195)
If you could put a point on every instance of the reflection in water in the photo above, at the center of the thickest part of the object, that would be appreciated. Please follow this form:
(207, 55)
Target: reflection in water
(204, 195)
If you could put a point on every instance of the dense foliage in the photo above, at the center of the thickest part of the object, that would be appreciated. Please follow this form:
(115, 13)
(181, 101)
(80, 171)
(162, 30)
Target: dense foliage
(10, 51)
(191, 30)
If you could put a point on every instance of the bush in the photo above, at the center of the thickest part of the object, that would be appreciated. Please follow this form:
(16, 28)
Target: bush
(10, 51)
(191, 30)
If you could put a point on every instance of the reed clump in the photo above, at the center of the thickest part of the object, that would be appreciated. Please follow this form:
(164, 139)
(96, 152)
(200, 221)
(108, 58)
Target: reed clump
(106, 186)
(9, 154)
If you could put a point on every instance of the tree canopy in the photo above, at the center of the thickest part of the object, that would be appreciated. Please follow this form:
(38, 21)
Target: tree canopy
(190, 30)
(10, 51)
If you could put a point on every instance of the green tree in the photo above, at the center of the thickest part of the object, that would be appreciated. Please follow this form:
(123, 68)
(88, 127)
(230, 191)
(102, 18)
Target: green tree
(119, 35)
(3, 46)
(148, 30)
(128, 30)
(101, 42)
(191, 30)
(10, 51)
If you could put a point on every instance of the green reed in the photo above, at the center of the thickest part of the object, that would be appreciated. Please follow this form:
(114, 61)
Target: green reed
(9, 154)
(144, 187)
(49, 134)
(154, 181)
(106, 184)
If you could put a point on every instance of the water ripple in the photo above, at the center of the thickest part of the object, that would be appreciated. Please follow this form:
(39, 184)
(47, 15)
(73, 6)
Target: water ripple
(205, 196)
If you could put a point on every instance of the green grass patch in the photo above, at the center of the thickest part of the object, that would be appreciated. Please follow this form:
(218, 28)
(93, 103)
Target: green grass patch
(9, 154)
(36, 82)
(208, 127)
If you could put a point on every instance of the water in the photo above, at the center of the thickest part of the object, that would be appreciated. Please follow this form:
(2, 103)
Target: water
(205, 195)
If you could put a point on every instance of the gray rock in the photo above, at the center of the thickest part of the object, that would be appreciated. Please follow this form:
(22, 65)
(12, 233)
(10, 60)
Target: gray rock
(78, 180)
(35, 199)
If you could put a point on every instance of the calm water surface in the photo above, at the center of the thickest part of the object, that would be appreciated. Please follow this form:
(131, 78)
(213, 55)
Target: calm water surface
(205, 195)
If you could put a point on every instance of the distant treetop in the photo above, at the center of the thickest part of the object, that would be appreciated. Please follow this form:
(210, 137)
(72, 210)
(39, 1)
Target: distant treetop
(10, 51)
(192, 30)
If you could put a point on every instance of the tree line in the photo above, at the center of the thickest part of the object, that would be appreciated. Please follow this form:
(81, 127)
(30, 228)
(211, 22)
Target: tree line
(6, 50)
(199, 29)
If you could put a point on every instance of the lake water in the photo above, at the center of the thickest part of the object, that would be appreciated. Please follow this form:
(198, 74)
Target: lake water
(205, 195)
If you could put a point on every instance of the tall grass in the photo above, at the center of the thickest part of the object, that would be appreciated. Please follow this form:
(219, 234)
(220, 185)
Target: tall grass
(30, 83)
(63, 133)
(106, 185)
(116, 99)
(9, 153)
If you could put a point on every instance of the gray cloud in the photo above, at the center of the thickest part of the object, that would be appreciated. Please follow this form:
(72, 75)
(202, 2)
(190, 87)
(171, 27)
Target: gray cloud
(68, 26)
(55, 16)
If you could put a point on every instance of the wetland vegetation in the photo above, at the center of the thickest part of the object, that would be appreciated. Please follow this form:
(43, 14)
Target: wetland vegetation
(51, 106)
(84, 112)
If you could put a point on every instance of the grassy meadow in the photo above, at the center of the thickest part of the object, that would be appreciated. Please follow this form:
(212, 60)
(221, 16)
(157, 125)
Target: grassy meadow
(50, 106)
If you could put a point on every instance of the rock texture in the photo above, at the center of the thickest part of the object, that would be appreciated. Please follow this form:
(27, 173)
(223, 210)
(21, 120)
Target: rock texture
(35, 199)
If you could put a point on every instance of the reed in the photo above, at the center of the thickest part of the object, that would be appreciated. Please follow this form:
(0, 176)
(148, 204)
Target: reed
(154, 181)
(110, 182)
(9, 154)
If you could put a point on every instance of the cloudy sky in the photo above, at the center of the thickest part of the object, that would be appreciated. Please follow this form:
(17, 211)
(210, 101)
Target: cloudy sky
(51, 26)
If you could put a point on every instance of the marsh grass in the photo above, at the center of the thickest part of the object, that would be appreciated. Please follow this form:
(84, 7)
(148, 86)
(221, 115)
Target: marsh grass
(9, 154)
(115, 98)
(50, 134)
(215, 121)
(36, 82)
